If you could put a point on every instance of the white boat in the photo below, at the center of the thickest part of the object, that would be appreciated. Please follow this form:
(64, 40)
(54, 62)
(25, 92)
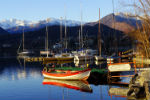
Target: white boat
(86, 54)
(82, 57)
(118, 67)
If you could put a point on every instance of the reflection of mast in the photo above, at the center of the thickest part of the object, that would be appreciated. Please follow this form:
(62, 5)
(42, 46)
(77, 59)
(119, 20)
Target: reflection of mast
(99, 36)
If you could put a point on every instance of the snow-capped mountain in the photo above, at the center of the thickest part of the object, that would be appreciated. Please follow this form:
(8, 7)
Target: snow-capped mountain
(6, 24)
(14, 25)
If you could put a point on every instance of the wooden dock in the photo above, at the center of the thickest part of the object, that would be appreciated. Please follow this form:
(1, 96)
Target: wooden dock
(46, 59)
(34, 59)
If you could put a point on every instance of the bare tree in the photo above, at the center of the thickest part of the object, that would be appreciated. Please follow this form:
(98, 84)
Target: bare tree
(142, 34)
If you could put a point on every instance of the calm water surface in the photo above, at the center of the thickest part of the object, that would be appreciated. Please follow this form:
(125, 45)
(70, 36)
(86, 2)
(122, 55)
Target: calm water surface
(19, 81)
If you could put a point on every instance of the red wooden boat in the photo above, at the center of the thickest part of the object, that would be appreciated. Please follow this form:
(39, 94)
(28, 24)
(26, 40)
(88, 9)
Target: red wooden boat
(67, 74)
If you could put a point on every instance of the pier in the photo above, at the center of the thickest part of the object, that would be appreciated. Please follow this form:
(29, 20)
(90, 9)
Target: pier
(34, 59)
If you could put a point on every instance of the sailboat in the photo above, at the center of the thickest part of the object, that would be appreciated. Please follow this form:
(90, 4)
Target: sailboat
(64, 56)
(24, 53)
(114, 56)
(100, 57)
(46, 52)
(83, 54)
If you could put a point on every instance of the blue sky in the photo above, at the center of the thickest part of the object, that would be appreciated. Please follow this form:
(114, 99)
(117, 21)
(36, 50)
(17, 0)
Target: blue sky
(41, 9)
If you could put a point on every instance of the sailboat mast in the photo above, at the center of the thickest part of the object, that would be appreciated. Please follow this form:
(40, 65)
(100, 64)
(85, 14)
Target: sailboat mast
(61, 32)
(81, 31)
(99, 35)
(47, 39)
(115, 38)
(65, 31)
(23, 39)
(79, 40)
(65, 34)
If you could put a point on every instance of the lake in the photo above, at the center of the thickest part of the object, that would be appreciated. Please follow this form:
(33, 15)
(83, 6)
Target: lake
(24, 81)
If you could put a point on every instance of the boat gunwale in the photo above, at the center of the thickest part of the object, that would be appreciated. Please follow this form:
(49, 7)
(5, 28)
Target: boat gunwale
(66, 74)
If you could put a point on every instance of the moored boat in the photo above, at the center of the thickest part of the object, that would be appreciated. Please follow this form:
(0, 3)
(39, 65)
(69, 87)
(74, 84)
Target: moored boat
(117, 67)
(64, 57)
(67, 74)
(100, 58)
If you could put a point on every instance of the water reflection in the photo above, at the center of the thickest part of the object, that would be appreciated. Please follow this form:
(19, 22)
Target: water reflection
(12, 69)
(24, 81)
(76, 85)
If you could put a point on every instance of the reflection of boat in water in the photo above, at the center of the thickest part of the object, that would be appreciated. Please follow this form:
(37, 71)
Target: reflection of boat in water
(67, 74)
(76, 85)
(122, 92)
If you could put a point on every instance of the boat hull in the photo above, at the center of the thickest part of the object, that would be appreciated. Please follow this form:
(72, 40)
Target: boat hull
(81, 58)
(100, 58)
(117, 67)
(78, 75)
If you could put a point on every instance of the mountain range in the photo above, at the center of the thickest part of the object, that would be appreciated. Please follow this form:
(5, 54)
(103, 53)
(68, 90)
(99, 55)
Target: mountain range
(35, 32)
(119, 21)
(16, 26)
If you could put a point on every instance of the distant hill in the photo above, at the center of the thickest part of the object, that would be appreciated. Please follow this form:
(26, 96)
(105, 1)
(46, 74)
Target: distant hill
(123, 22)
(2, 31)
